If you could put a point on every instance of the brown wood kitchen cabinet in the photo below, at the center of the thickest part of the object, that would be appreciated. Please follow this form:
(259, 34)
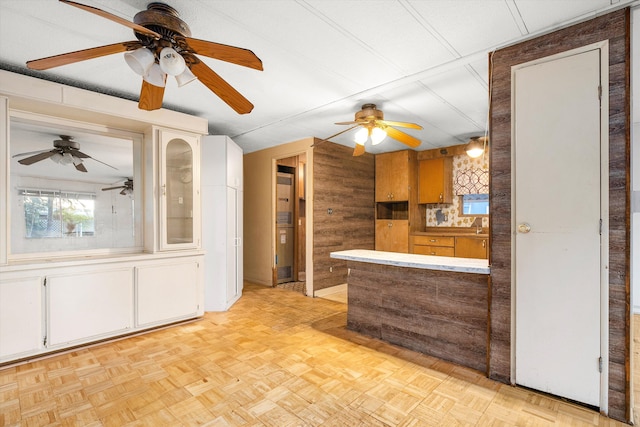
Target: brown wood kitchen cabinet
(471, 247)
(392, 235)
(435, 180)
(393, 175)
(397, 211)
(433, 245)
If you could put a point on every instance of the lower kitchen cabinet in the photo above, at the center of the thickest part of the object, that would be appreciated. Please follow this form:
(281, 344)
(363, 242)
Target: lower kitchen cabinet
(433, 245)
(472, 247)
(392, 235)
(448, 245)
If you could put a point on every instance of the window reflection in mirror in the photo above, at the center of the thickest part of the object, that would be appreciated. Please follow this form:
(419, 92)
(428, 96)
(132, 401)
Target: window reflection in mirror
(58, 207)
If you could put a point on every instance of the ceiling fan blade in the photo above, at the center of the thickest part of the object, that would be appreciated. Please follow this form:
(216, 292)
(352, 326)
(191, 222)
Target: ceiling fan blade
(30, 152)
(347, 123)
(81, 55)
(402, 137)
(113, 188)
(334, 135)
(399, 124)
(223, 52)
(150, 96)
(81, 155)
(219, 86)
(359, 150)
(33, 159)
(114, 18)
(79, 166)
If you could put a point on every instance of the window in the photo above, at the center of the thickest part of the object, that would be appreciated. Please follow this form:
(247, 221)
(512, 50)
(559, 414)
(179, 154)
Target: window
(50, 214)
(474, 204)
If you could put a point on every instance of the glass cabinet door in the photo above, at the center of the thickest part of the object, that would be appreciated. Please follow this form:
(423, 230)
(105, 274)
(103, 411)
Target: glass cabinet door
(179, 204)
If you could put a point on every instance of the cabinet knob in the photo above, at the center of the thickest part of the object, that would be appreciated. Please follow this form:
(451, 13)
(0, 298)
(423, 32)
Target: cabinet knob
(433, 240)
(441, 197)
(390, 224)
(484, 243)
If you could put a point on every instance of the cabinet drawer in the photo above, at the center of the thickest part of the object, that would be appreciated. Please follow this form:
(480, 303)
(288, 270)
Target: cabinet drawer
(433, 250)
(433, 240)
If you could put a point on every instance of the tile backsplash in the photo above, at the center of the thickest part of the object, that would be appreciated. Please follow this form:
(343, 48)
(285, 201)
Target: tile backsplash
(447, 214)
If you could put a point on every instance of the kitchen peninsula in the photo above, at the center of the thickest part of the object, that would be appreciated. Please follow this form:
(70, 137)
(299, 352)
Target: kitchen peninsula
(432, 304)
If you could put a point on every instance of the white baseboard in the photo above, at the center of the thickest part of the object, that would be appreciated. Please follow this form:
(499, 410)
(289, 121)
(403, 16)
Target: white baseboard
(331, 290)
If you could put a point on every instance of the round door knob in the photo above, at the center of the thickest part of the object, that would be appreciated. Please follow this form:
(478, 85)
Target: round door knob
(524, 228)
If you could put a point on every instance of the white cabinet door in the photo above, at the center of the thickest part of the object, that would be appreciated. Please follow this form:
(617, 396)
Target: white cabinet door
(233, 245)
(21, 317)
(87, 306)
(222, 231)
(179, 191)
(167, 292)
(234, 165)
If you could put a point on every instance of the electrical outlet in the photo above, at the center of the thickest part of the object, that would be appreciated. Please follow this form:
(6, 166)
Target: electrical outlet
(330, 269)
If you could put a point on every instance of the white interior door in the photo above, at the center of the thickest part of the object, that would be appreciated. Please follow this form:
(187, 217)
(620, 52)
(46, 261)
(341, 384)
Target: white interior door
(557, 218)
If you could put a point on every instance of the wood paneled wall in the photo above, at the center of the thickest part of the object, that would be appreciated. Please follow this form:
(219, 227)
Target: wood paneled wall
(346, 185)
(615, 27)
(440, 313)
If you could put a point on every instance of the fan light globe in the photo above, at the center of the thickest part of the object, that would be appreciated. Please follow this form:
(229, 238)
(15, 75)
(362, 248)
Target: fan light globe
(155, 76)
(475, 148)
(361, 136)
(171, 62)
(140, 60)
(66, 159)
(186, 77)
(56, 158)
(378, 135)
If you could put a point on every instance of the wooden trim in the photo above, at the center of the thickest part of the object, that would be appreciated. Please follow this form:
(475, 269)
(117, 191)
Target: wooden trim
(454, 150)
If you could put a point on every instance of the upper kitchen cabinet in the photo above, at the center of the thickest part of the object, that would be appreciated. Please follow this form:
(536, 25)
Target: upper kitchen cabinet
(393, 172)
(179, 198)
(435, 180)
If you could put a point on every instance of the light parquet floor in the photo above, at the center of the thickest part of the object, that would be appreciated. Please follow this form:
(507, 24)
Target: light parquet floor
(277, 359)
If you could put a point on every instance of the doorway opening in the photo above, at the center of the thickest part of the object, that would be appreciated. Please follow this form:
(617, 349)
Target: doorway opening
(290, 236)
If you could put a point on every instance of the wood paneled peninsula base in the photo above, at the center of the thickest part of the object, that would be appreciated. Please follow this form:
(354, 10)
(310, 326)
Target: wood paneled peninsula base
(431, 304)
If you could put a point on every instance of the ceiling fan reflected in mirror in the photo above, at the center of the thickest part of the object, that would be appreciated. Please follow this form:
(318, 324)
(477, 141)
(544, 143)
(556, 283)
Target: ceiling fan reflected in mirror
(65, 152)
(164, 47)
(375, 128)
(126, 187)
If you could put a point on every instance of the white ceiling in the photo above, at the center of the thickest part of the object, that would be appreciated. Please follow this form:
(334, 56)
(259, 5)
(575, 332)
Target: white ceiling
(421, 61)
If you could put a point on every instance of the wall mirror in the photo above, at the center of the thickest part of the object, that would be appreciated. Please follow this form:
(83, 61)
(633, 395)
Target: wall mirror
(73, 187)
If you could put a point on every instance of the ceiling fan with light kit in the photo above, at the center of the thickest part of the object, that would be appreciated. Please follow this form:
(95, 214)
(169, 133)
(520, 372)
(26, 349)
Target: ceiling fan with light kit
(375, 128)
(126, 187)
(164, 46)
(65, 152)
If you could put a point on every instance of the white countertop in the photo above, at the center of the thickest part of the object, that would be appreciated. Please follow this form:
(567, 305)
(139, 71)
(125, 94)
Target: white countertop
(428, 262)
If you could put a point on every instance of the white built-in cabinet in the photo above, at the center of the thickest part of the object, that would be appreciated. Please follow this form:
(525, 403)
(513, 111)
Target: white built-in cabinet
(222, 194)
(59, 300)
(60, 306)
